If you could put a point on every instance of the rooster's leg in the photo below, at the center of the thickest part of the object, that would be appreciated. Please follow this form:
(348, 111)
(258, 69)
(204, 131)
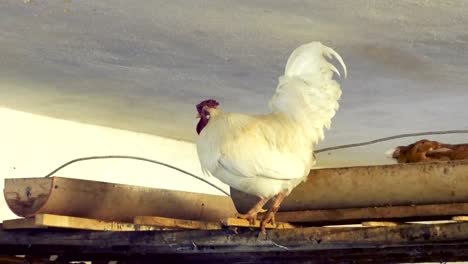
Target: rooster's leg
(251, 215)
(270, 216)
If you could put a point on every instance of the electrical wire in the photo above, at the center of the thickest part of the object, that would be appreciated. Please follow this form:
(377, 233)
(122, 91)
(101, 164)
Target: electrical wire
(462, 131)
(136, 158)
(220, 189)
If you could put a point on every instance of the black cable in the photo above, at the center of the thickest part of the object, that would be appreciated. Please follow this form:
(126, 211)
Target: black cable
(136, 158)
(462, 131)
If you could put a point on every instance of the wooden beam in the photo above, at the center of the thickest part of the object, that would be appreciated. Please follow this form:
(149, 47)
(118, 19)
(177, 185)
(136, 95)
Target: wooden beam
(460, 218)
(237, 222)
(176, 223)
(379, 223)
(357, 215)
(60, 221)
(21, 223)
(190, 224)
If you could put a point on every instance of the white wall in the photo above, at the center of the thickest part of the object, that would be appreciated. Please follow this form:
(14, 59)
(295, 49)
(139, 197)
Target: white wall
(32, 146)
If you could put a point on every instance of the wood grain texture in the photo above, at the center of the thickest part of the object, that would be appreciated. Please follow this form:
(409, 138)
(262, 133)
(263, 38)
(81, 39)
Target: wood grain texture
(237, 222)
(176, 223)
(70, 222)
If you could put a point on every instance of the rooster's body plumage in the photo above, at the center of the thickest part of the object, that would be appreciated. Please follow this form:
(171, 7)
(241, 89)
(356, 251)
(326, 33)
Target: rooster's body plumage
(265, 155)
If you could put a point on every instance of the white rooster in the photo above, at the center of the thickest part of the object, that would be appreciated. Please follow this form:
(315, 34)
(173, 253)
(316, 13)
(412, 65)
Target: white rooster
(268, 155)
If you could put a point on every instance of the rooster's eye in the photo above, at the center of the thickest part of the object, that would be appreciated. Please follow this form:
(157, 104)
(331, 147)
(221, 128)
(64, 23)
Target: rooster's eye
(207, 116)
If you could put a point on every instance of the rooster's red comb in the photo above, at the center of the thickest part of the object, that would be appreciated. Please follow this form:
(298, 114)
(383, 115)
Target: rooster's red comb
(211, 103)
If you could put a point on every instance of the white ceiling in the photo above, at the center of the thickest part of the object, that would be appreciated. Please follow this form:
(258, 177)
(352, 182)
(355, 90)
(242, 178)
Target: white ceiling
(143, 65)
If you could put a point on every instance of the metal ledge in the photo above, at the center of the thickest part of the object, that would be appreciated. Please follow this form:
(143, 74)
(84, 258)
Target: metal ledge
(369, 186)
(108, 201)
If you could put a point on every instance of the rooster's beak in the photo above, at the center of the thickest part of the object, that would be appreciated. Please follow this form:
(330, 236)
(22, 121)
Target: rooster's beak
(197, 116)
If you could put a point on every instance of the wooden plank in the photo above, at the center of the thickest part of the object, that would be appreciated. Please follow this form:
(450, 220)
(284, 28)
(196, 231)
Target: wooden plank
(176, 223)
(357, 215)
(21, 223)
(60, 221)
(237, 222)
(16, 260)
(379, 224)
(462, 218)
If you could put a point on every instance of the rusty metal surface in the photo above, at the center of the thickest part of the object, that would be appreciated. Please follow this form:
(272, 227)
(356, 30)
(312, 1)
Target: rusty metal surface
(108, 201)
(354, 187)
(357, 215)
(23, 197)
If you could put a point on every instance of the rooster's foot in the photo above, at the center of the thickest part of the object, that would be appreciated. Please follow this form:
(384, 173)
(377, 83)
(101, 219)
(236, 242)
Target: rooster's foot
(251, 217)
(269, 218)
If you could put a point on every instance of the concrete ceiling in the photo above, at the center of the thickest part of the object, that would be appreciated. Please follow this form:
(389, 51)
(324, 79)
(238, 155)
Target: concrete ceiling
(143, 65)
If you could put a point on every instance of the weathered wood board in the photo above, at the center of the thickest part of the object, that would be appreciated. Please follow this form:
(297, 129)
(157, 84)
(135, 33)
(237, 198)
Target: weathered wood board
(70, 222)
(141, 223)
(176, 223)
(237, 222)
(202, 225)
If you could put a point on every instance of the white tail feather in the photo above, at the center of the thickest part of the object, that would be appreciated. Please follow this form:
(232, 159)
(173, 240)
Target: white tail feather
(308, 59)
(307, 90)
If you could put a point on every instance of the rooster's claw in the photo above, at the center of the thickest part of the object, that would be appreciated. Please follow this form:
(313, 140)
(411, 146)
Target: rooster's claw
(252, 218)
